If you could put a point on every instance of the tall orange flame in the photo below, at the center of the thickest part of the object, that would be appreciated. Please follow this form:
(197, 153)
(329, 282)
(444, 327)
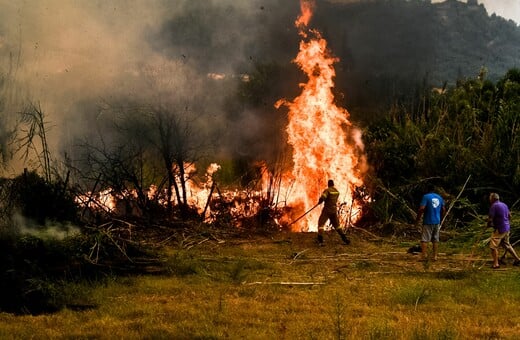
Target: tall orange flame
(306, 7)
(325, 144)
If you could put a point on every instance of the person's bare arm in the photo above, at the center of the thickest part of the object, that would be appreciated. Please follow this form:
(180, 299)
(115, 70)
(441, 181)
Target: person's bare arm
(420, 212)
(490, 221)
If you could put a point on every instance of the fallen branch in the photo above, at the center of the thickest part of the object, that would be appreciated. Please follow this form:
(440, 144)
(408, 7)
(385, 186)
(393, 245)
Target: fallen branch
(401, 200)
(298, 254)
(285, 283)
(453, 203)
(114, 242)
(368, 232)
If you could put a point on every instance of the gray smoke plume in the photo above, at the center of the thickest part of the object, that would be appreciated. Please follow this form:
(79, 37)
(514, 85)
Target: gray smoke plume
(73, 56)
(69, 56)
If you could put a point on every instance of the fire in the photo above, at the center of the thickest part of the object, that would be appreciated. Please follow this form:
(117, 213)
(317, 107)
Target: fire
(325, 144)
(307, 7)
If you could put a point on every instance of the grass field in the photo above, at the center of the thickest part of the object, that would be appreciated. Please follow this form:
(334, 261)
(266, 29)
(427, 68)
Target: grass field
(283, 286)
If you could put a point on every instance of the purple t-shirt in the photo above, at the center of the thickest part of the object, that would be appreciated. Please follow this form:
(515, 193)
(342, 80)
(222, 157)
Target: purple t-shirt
(499, 214)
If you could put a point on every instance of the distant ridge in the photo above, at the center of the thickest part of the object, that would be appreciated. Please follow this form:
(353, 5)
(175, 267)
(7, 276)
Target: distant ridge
(388, 47)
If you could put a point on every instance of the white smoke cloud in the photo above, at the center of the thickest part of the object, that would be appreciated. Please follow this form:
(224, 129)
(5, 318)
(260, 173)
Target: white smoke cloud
(72, 51)
(51, 230)
(69, 53)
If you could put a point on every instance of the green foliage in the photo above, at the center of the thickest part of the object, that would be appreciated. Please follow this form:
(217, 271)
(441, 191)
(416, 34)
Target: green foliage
(428, 42)
(393, 148)
(25, 281)
(472, 129)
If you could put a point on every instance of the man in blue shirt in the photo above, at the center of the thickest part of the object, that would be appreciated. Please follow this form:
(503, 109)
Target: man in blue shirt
(433, 209)
(498, 219)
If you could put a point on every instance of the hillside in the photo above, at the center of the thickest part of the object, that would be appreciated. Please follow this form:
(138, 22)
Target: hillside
(387, 48)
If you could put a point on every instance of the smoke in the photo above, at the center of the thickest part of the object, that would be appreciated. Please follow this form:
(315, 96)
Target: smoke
(70, 55)
(51, 230)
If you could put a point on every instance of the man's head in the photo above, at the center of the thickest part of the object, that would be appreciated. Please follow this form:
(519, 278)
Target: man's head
(430, 188)
(493, 197)
(330, 183)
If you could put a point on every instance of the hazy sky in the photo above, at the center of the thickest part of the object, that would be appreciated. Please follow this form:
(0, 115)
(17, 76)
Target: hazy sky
(509, 9)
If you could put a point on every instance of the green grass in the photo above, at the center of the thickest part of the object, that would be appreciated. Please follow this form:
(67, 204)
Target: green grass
(285, 287)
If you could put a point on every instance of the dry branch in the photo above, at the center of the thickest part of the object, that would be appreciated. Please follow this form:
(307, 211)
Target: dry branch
(368, 232)
(400, 200)
(455, 200)
(283, 283)
(295, 256)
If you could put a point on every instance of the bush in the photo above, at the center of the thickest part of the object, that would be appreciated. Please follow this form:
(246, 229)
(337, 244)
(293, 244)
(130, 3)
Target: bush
(41, 201)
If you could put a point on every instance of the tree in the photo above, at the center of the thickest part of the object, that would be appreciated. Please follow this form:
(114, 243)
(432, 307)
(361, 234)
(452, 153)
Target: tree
(143, 145)
(180, 146)
(34, 130)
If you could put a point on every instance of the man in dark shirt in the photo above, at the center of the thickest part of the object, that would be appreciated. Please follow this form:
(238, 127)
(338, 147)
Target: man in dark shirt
(330, 212)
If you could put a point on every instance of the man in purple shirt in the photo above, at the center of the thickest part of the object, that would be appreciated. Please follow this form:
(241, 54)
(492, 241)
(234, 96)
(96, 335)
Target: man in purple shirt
(498, 219)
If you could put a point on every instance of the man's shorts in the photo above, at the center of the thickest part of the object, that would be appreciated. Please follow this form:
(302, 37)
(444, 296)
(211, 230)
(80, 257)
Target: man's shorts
(499, 239)
(430, 232)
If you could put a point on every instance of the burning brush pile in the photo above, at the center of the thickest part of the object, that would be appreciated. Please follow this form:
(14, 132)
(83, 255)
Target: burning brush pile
(199, 199)
(324, 143)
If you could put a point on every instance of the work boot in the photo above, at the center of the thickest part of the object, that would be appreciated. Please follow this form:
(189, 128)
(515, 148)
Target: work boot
(320, 240)
(345, 239)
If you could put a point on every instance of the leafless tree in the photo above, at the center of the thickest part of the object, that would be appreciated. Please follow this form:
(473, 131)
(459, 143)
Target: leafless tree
(175, 137)
(145, 145)
(33, 137)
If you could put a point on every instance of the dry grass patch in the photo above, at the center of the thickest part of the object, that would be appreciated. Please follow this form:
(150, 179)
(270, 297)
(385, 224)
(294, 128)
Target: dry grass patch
(285, 287)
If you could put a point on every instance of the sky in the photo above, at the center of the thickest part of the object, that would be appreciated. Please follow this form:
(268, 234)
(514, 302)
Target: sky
(509, 9)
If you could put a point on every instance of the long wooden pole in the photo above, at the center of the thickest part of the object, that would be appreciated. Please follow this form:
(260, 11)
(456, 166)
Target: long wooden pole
(299, 218)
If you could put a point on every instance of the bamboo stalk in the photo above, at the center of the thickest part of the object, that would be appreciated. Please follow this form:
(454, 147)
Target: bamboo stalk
(453, 203)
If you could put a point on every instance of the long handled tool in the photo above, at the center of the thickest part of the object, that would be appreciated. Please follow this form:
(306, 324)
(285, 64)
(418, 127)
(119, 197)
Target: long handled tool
(299, 218)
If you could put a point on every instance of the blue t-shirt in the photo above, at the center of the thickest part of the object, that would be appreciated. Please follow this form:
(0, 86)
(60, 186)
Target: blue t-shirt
(432, 204)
